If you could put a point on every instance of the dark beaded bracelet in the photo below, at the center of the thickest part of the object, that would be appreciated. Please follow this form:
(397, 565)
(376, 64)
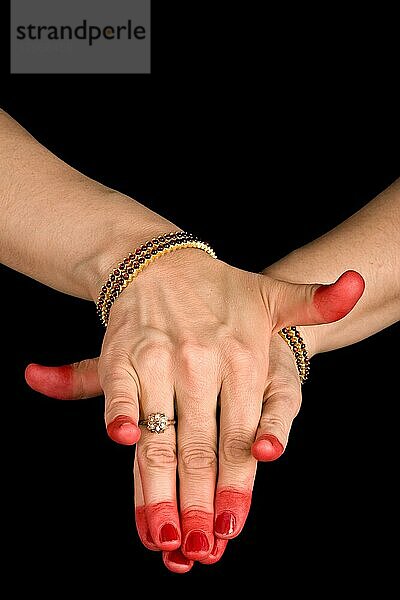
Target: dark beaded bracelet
(292, 337)
(136, 261)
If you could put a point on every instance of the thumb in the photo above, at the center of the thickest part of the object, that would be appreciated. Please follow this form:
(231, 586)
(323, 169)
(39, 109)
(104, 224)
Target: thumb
(68, 382)
(317, 304)
(75, 382)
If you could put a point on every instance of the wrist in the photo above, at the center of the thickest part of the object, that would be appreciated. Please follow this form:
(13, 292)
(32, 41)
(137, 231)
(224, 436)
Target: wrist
(119, 225)
(310, 335)
(123, 237)
(167, 270)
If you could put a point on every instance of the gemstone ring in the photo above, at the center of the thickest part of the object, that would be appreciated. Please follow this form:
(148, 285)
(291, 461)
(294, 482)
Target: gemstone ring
(157, 422)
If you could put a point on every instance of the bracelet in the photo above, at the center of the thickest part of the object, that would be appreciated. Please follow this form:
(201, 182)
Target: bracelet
(292, 337)
(136, 261)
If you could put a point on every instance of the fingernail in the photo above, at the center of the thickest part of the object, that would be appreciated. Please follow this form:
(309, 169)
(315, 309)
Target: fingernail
(178, 558)
(169, 533)
(267, 447)
(225, 523)
(123, 431)
(197, 542)
(127, 425)
(216, 553)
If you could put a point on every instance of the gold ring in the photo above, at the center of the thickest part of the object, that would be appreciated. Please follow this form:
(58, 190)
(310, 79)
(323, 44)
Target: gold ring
(157, 422)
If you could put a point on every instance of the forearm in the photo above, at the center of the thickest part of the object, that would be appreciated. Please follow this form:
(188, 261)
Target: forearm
(368, 242)
(57, 225)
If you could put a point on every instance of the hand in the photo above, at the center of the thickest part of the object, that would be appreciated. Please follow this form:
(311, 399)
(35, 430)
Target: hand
(281, 404)
(201, 330)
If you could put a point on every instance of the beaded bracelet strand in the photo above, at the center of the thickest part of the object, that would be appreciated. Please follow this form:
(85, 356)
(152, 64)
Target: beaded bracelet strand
(292, 337)
(136, 261)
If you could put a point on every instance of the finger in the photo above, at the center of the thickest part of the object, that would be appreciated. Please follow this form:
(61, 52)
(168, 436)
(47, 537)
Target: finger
(157, 451)
(316, 304)
(217, 552)
(177, 562)
(276, 420)
(281, 405)
(68, 382)
(196, 396)
(120, 386)
(140, 511)
(241, 401)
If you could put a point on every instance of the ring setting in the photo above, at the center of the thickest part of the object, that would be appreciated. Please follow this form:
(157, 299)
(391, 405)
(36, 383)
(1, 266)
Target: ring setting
(157, 422)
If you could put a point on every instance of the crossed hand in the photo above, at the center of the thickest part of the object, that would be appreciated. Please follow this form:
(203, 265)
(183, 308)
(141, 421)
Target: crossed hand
(190, 335)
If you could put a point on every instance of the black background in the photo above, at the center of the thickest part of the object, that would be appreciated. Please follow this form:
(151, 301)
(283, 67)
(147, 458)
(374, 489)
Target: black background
(243, 110)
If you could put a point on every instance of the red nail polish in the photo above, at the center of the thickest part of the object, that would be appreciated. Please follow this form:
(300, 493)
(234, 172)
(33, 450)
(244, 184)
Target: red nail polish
(225, 523)
(123, 430)
(178, 558)
(267, 447)
(197, 542)
(169, 533)
(216, 553)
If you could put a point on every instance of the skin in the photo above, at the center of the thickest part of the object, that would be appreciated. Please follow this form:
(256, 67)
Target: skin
(201, 330)
(378, 222)
(368, 242)
(231, 507)
(180, 337)
(83, 376)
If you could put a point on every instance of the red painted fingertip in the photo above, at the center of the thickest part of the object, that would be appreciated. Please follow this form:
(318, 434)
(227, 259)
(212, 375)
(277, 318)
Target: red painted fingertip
(143, 529)
(231, 508)
(123, 430)
(217, 552)
(225, 523)
(176, 562)
(335, 301)
(163, 521)
(56, 382)
(169, 533)
(197, 543)
(267, 448)
(197, 533)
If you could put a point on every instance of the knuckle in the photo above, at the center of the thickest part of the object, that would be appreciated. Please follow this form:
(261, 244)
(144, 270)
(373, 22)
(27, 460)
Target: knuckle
(276, 422)
(196, 367)
(82, 367)
(285, 384)
(236, 446)
(115, 366)
(112, 355)
(195, 457)
(157, 454)
(118, 405)
(194, 357)
(86, 365)
(118, 379)
(285, 398)
(244, 361)
(155, 355)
